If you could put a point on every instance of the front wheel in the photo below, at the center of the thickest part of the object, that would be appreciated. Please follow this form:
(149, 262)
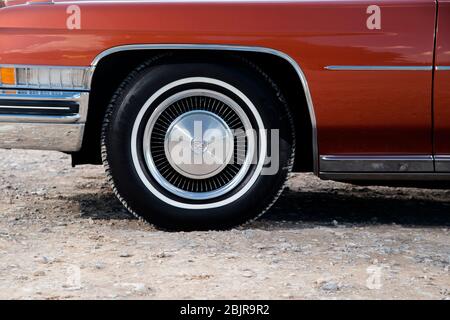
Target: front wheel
(197, 145)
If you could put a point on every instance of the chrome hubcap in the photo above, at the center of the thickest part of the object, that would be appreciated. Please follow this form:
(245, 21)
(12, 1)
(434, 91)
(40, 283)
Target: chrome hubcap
(148, 147)
(199, 144)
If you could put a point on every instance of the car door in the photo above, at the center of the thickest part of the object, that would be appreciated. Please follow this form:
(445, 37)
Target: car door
(373, 102)
(442, 89)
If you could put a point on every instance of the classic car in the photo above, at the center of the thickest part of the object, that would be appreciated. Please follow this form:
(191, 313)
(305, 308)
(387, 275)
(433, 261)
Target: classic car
(199, 110)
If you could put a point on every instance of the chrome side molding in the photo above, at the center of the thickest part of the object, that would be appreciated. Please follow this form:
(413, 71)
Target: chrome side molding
(442, 68)
(442, 163)
(374, 176)
(379, 68)
(386, 68)
(412, 168)
(331, 163)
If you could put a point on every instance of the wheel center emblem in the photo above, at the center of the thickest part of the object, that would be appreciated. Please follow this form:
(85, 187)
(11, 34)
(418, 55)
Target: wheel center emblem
(199, 146)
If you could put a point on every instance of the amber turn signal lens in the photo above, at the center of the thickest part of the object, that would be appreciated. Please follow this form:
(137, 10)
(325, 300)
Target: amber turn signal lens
(7, 76)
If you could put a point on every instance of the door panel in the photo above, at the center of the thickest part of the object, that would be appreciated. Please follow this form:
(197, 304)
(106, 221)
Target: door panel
(386, 109)
(442, 89)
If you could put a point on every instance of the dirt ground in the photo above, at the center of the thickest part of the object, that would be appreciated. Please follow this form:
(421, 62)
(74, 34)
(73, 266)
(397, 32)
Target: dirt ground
(63, 235)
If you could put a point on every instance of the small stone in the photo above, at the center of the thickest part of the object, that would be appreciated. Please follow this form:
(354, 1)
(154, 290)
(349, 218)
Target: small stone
(248, 273)
(125, 255)
(163, 255)
(140, 287)
(275, 261)
(259, 246)
(39, 273)
(330, 286)
(44, 260)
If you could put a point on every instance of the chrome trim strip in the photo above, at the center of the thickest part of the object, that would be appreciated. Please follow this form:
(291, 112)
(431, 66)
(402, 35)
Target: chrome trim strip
(377, 176)
(442, 68)
(41, 66)
(39, 119)
(379, 68)
(37, 95)
(34, 107)
(270, 51)
(331, 163)
(169, 1)
(442, 163)
(81, 98)
(41, 136)
(39, 2)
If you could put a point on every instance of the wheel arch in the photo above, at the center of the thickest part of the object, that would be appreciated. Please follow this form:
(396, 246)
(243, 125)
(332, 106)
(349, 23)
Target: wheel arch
(114, 64)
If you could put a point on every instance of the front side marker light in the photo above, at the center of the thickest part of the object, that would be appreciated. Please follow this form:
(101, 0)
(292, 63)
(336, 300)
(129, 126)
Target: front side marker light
(7, 76)
(38, 77)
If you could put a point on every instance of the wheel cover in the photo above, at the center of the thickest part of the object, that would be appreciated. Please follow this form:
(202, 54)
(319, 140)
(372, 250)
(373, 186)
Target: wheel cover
(255, 151)
(197, 135)
(195, 144)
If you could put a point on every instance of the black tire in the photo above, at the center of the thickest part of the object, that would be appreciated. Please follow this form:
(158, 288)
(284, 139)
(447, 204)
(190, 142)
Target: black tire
(129, 173)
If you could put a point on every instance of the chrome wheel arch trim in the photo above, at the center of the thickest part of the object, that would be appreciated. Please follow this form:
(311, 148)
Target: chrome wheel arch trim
(217, 47)
(262, 143)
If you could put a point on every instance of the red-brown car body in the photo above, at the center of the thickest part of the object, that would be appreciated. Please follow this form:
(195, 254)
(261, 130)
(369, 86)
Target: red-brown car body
(373, 93)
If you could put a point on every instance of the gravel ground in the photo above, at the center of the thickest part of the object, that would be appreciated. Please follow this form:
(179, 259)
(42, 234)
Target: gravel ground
(63, 235)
